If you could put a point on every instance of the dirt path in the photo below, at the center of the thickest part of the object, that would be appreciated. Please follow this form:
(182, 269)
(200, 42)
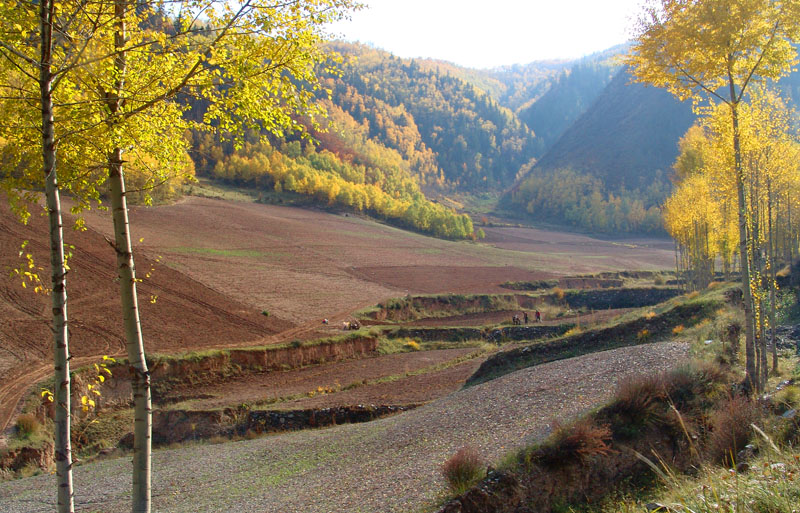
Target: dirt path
(386, 466)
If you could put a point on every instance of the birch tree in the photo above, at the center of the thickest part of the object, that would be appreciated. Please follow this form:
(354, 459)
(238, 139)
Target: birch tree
(251, 65)
(41, 41)
(717, 49)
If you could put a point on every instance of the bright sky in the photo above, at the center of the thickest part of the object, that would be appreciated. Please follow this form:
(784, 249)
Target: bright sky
(490, 33)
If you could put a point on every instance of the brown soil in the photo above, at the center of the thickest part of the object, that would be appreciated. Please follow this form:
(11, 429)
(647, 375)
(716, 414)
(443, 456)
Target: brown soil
(323, 384)
(224, 263)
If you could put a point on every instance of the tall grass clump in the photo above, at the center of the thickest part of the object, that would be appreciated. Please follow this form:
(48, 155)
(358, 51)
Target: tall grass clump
(638, 404)
(463, 469)
(731, 428)
(28, 426)
(577, 442)
(771, 486)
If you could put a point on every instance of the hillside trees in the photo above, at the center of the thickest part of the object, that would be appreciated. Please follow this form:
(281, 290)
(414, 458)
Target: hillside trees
(125, 63)
(701, 214)
(564, 195)
(478, 144)
(718, 49)
(372, 179)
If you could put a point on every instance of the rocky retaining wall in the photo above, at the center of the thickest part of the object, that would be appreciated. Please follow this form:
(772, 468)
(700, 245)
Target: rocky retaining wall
(219, 365)
(638, 331)
(507, 333)
(618, 298)
(17, 459)
(174, 426)
(417, 307)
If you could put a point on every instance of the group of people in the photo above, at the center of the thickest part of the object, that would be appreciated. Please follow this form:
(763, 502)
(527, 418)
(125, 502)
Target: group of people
(537, 317)
(346, 325)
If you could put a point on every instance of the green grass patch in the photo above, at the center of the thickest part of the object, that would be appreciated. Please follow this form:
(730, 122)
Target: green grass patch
(642, 326)
(233, 253)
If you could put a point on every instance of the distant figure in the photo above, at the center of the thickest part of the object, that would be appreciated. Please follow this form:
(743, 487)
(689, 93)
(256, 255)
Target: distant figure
(515, 320)
(538, 316)
(354, 325)
(324, 321)
(345, 325)
(525, 316)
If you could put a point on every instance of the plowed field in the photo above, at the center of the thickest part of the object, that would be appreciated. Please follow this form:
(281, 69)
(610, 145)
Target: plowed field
(224, 263)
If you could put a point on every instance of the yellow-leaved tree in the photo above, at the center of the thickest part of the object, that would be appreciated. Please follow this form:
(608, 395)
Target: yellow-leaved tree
(111, 81)
(718, 49)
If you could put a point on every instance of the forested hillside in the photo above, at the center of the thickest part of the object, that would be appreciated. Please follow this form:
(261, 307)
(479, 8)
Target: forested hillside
(610, 170)
(569, 95)
(479, 144)
(566, 142)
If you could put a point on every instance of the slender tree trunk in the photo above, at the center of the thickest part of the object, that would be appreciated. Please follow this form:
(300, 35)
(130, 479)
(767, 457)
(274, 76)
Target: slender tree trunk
(58, 273)
(143, 419)
(133, 335)
(749, 328)
(773, 249)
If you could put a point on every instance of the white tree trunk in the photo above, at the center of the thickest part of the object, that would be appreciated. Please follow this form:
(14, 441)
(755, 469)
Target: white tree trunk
(58, 278)
(142, 446)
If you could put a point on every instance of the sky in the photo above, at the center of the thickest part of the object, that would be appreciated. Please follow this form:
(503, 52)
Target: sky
(491, 33)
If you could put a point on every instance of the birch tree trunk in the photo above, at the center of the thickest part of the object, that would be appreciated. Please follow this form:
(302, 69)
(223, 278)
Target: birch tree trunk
(142, 446)
(58, 278)
(773, 250)
(142, 439)
(751, 379)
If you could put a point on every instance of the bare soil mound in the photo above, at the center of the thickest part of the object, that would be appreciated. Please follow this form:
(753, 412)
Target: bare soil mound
(186, 314)
(390, 379)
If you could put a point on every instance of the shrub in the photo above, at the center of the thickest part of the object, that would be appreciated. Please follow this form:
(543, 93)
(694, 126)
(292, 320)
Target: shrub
(687, 383)
(677, 330)
(574, 443)
(787, 398)
(27, 425)
(463, 469)
(265, 313)
(413, 345)
(558, 292)
(658, 280)
(643, 336)
(636, 404)
(731, 428)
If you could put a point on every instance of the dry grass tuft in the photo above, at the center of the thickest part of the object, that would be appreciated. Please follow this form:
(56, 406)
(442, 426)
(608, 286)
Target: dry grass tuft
(637, 404)
(731, 428)
(463, 469)
(578, 442)
(27, 425)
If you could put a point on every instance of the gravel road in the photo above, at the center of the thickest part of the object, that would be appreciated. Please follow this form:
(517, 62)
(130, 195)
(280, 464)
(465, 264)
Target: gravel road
(388, 465)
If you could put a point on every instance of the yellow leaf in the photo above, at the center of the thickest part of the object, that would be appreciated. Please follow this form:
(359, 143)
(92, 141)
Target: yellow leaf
(84, 399)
